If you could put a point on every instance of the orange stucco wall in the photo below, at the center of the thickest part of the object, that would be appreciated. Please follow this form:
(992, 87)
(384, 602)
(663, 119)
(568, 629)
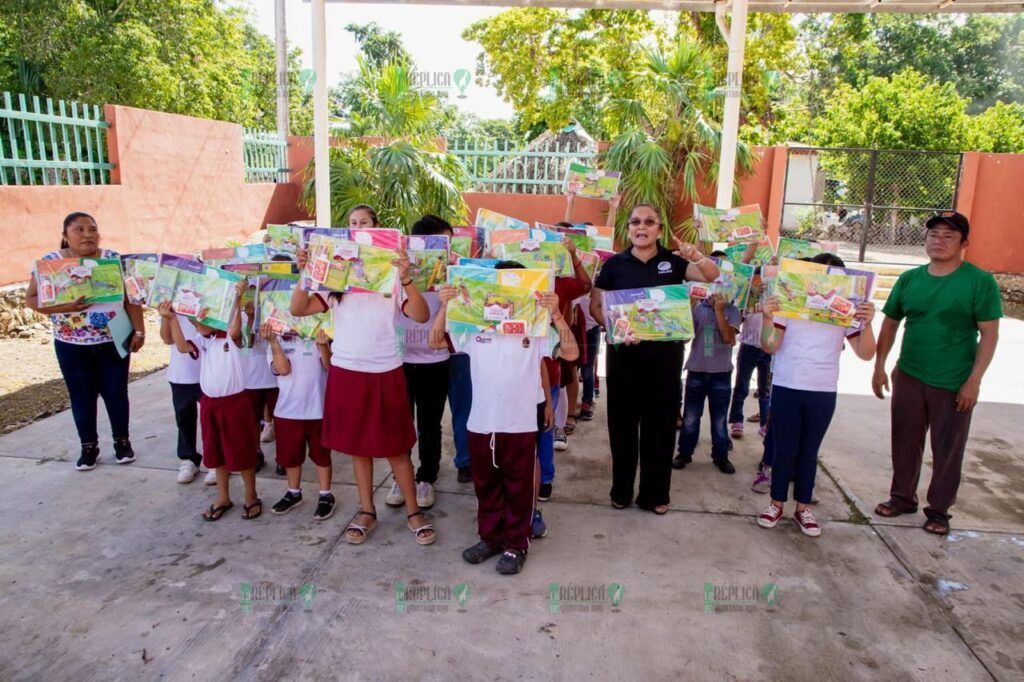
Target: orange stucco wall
(992, 197)
(178, 185)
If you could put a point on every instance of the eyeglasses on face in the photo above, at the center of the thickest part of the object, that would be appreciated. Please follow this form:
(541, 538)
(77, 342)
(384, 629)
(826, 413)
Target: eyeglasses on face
(647, 222)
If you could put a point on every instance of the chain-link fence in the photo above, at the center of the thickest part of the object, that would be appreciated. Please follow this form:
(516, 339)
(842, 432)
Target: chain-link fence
(873, 203)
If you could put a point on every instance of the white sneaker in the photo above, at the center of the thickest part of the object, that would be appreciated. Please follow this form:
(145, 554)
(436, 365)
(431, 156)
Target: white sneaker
(211, 477)
(187, 471)
(267, 436)
(424, 495)
(561, 440)
(394, 498)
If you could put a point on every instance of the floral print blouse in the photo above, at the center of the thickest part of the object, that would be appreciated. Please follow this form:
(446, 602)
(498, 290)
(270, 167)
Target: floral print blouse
(88, 327)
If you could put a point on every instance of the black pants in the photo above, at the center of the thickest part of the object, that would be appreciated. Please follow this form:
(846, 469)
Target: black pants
(643, 402)
(428, 390)
(185, 398)
(89, 373)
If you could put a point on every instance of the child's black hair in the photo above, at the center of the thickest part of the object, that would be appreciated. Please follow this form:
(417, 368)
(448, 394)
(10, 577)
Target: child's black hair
(826, 259)
(430, 224)
(718, 253)
(563, 224)
(509, 265)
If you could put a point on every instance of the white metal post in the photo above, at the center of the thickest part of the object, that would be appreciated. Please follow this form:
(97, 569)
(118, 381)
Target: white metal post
(281, 43)
(736, 37)
(321, 155)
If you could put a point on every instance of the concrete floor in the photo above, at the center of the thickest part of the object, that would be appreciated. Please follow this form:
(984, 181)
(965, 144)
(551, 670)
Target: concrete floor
(111, 574)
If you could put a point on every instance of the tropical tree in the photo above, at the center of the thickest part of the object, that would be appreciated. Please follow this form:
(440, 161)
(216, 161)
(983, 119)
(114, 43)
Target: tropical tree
(392, 158)
(671, 138)
(999, 128)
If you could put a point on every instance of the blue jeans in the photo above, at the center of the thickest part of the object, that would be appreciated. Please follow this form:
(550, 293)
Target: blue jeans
(715, 388)
(799, 421)
(546, 447)
(749, 359)
(460, 399)
(589, 370)
(91, 372)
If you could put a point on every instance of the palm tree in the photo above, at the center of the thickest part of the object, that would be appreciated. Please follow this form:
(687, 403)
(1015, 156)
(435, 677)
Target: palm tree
(391, 156)
(669, 136)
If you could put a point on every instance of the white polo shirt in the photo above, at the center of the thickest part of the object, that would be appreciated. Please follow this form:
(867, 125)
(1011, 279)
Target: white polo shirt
(505, 372)
(302, 389)
(183, 368)
(808, 359)
(416, 345)
(257, 372)
(365, 336)
(221, 372)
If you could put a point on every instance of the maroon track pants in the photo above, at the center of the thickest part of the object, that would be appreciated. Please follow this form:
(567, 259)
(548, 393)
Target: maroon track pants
(503, 470)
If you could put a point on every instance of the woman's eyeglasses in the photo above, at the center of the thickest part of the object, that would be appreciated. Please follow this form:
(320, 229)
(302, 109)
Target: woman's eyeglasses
(649, 222)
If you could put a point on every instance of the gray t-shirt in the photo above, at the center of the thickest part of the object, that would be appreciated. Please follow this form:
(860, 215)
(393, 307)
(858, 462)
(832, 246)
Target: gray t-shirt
(708, 352)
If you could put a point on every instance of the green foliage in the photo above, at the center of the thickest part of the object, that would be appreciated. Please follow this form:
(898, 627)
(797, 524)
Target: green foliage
(406, 175)
(181, 56)
(999, 128)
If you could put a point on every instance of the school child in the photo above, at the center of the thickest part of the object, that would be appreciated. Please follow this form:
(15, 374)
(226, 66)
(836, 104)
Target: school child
(260, 382)
(183, 376)
(301, 368)
(366, 407)
(805, 378)
(709, 378)
(545, 435)
(426, 378)
(749, 359)
(225, 409)
(503, 426)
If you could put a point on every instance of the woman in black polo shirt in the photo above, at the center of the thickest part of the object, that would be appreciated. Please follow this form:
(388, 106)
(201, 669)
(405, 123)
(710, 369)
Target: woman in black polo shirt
(643, 377)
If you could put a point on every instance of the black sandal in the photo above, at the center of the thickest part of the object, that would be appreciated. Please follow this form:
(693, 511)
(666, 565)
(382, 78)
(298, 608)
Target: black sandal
(891, 509)
(936, 526)
(570, 428)
(247, 513)
(215, 512)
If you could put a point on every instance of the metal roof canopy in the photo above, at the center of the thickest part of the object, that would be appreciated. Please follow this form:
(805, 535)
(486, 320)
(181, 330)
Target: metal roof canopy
(734, 33)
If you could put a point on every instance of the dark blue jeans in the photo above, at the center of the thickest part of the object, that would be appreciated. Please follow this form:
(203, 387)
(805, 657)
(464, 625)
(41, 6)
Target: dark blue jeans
(715, 388)
(91, 372)
(799, 422)
(460, 399)
(589, 370)
(751, 358)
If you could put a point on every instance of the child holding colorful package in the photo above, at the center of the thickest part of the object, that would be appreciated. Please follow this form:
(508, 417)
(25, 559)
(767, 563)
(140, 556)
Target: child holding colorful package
(226, 414)
(709, 377)
(366, 406)
(503, 426)
(301, 368)
(183, 375)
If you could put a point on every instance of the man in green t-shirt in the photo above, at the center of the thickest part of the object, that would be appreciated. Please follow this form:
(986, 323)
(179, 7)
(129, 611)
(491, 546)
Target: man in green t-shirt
(947, 304)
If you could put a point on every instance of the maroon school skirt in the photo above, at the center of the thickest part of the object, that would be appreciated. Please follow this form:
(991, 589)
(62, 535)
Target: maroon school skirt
(367, 414)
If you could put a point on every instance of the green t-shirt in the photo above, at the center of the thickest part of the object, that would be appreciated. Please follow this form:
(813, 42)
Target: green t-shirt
(942, 314)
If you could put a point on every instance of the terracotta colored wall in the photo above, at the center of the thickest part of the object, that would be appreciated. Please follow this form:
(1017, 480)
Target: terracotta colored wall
(178, 185)
(992, 197)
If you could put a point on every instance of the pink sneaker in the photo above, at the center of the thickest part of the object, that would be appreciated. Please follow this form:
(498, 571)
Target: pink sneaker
(763, 481)
(805, 519)
(769, 518)
(736, 430)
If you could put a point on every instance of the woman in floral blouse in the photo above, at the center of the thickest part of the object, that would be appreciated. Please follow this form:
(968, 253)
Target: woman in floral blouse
(85, 349)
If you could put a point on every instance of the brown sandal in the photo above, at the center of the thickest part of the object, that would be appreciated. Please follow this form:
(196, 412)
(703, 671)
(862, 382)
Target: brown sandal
(936, 526)
(890, 509)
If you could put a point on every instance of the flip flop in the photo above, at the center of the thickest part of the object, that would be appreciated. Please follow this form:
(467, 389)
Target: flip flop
(248, 514)
(214, 512)
(889, 509)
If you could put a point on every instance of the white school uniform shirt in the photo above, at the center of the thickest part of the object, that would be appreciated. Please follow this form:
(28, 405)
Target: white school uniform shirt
(257, 372)
(505, 372)
(183, 368)
(220, 370)
(302, 389)
(808, 359)
(416, 345)
(365, 334)
(584, 303)
(750, 332)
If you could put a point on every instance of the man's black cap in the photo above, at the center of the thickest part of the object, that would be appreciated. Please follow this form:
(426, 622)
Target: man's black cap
(953, 220)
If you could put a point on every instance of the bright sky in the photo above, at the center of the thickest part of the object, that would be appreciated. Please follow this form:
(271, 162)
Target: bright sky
(431, 34)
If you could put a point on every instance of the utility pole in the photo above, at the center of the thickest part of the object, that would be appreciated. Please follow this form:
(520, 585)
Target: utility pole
(281, 43)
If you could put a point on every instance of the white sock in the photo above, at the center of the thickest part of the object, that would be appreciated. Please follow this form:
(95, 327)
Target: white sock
(324, 492)
(561, 409)
(295, 491)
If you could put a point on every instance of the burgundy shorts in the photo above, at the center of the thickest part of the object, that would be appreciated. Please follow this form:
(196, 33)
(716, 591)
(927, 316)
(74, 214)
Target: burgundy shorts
(262, 397)
(229, 432)
(294, 436)
(367, 414)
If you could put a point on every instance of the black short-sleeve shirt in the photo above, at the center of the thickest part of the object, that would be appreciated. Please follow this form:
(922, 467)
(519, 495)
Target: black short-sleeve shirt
(626, 271)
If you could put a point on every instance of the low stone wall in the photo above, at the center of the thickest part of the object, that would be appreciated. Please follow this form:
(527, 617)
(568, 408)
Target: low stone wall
(17, 321)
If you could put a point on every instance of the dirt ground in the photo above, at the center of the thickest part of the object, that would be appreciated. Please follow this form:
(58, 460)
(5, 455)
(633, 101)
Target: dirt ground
(31, 386)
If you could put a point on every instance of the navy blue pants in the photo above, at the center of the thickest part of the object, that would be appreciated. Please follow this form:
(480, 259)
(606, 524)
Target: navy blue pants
(715, 388)
(185, 399)
(460, 399)
(799, 421)
(588, 371)
(91, 372)
(751, 358)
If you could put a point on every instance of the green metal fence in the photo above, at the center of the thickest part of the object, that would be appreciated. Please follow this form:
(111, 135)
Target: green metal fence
(266, 156)
(506, 166)
(43, 142)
